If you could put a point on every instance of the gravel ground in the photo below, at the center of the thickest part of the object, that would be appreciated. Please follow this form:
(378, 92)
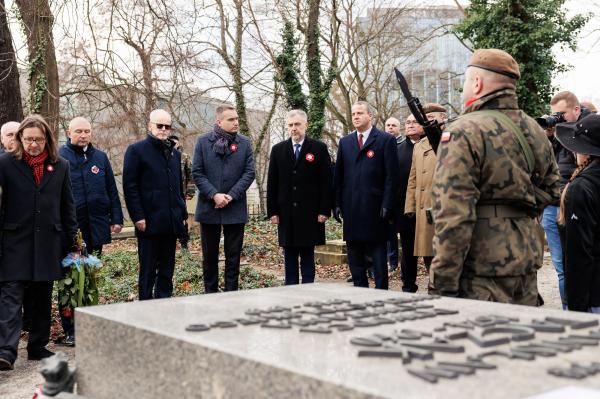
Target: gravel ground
(25, 378)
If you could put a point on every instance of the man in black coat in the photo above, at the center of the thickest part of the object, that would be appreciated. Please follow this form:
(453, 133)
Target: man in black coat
(153, 191)
(299, 197)
(38, 226)
(406, 224)
(366, 184)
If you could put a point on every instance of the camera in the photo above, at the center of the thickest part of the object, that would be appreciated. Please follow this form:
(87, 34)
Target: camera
(549, 121)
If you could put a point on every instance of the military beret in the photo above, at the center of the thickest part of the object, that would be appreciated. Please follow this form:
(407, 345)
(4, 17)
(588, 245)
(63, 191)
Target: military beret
(495, 60)
(433, 107)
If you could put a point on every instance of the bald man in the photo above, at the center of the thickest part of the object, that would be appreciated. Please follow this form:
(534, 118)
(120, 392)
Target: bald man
(7, 136)
(152, 184)
(94, 189)
(95, 194)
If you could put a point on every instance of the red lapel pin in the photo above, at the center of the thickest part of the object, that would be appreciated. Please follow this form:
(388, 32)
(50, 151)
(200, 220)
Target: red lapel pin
(310, 157)
(370, 153)
(233, 148)
(95, 169)
(50, 168)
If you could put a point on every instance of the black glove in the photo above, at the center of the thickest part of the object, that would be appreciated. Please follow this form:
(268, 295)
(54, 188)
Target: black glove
(337, 214)
(410, 215)
(385, 214)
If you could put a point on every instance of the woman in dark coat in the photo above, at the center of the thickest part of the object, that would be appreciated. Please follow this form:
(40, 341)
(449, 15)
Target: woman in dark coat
(38, 225)
(580, 215)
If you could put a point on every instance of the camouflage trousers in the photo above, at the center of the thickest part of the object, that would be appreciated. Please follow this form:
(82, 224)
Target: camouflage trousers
(518, 290)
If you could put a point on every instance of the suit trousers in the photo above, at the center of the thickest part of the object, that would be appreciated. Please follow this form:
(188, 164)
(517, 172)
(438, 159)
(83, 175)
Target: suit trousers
(11, 303)
(157, 264)
(357, 260)
(392, 247)
(408, 262)
(307, 264)
(233, 235)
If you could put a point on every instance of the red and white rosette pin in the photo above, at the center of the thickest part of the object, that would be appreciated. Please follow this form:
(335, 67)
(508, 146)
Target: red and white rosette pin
(370, 153)
(233, 147)
(310, 157)
(50, 168)
(95, 169)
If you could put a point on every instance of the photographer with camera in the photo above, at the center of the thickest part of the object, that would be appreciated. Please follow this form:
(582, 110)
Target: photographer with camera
(565, 108)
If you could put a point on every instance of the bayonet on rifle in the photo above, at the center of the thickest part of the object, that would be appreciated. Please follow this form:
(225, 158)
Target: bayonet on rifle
(432, 128)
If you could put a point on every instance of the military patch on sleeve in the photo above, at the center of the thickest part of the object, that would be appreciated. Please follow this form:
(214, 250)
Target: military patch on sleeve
(446, 136)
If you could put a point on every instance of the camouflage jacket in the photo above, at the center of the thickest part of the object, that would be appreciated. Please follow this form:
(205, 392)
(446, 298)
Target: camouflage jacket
(189, 187)
(480, 162)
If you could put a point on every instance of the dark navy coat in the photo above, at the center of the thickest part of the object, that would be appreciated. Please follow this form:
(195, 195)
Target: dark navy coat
(299, 191)
(405, 154)
(94, 191)
(38, 223)
(230, 174)
(153, 188)
(365, 182)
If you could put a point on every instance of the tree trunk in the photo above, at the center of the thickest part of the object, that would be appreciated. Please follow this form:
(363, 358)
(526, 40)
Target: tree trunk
(10, 91)
(43, 73)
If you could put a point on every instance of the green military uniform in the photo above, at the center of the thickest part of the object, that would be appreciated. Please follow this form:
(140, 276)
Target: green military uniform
(189, 187)
(487, 240)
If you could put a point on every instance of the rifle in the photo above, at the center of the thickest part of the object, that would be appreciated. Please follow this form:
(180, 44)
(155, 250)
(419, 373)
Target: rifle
(432, 128)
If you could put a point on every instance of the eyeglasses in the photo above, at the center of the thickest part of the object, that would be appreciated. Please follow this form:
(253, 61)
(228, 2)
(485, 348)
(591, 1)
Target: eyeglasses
(161, 126)
(30, 140)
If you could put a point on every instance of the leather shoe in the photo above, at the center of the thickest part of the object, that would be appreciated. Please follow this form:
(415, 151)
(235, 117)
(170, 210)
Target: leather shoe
(69, 340)
(39, 354)
(5, 364)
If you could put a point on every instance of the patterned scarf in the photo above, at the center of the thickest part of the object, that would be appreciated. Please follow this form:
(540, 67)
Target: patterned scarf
(36, 164)
(224, 140)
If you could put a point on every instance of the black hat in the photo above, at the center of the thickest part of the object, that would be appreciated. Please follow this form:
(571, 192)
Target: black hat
(582, 137)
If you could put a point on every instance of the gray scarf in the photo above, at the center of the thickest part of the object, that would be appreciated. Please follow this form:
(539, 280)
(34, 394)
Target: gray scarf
(224, 140)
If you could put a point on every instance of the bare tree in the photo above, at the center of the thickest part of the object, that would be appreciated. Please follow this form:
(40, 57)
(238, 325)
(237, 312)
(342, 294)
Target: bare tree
(10, 91)
(38, 22)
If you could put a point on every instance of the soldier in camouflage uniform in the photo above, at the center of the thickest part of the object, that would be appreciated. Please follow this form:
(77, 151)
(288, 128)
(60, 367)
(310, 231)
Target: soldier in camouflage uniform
(487, 242)
(189, 187)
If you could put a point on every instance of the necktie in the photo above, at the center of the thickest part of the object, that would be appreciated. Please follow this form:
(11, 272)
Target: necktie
(360, 141)
(296, 151)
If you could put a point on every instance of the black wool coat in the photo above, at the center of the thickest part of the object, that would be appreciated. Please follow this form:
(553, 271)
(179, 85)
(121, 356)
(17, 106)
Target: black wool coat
(38, 223)
(405, 154)
(299, 191)
(153, 188)
(582, 234)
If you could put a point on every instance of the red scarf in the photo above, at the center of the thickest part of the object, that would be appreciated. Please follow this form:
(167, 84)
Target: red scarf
(36, 164)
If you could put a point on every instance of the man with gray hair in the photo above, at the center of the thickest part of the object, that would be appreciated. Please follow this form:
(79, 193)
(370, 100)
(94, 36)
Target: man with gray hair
(7, 136)
(366, 180)
(299, 196)
(153, 189)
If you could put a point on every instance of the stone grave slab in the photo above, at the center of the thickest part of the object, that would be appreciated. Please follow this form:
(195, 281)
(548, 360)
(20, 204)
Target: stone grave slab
(332, 341)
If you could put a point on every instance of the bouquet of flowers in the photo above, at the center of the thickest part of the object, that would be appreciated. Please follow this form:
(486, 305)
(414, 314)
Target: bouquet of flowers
(78, 287)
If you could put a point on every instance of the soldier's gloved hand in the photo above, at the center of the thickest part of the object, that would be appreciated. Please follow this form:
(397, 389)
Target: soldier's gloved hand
(385, 214)
(410, 215)
(337, 214)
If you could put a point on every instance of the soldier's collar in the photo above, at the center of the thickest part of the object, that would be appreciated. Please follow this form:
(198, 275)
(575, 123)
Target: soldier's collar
(499, 99)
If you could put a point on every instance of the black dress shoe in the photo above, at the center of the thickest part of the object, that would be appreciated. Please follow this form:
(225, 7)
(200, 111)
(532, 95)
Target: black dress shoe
(5, 364)
(39, 354)
(69, 340)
